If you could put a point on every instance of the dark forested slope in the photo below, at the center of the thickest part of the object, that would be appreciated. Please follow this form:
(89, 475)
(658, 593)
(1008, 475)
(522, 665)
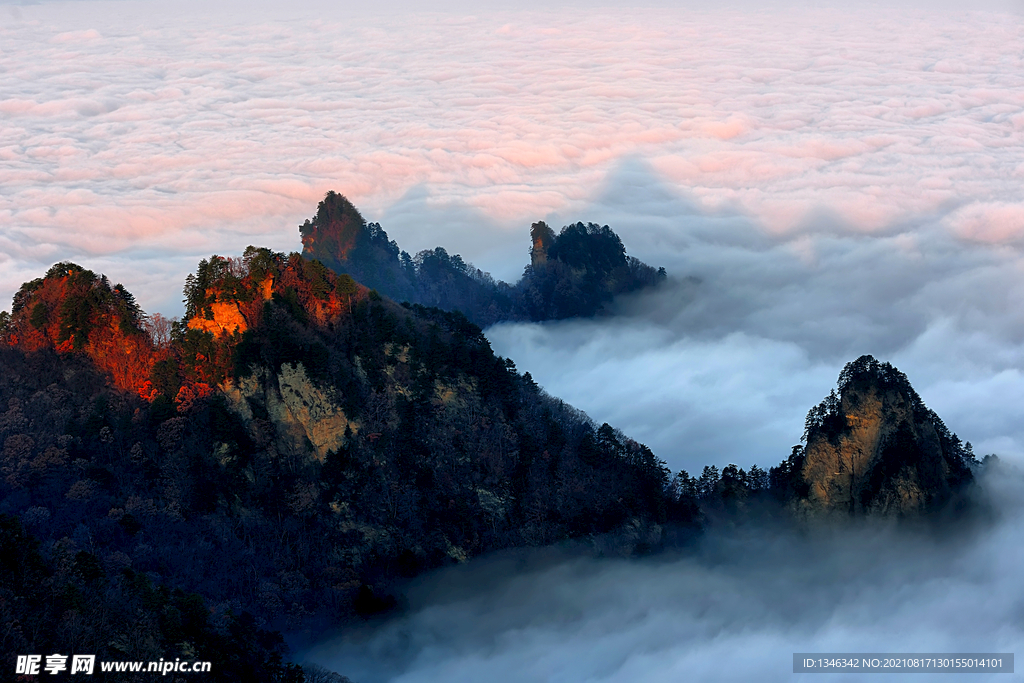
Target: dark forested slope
(298, 444)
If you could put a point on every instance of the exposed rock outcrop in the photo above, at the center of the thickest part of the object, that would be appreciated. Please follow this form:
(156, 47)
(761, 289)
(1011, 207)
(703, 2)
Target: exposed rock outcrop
(222, 313)
(542, 237)
(876, 449)
(306, 417)
(226, 318)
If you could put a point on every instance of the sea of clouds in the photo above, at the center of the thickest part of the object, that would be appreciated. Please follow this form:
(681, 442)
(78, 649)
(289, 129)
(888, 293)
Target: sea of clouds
(819, 182)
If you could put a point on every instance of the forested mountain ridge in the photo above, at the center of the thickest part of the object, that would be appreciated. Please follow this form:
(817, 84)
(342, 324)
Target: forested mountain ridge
(572, 274)
(290, 449)
(294, 447)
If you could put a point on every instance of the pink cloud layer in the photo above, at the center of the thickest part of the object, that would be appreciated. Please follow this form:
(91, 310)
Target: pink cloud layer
(162, 136)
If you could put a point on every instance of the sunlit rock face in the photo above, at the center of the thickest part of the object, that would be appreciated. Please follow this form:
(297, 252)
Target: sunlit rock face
(875, 449)
(226, 318)
(305, 416)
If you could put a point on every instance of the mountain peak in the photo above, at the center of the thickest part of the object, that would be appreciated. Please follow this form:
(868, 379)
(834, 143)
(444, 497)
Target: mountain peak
(335, 230)
(73, 309)
(875, 448)
(575, 273)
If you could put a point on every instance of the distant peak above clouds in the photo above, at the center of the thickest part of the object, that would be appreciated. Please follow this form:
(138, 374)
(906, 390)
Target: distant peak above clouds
(573, 274)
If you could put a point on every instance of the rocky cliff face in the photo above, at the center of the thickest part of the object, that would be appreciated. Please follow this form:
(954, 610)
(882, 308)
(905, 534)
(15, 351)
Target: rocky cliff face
(225, 318)
(875, 449)
(306, 418)
(542, 237)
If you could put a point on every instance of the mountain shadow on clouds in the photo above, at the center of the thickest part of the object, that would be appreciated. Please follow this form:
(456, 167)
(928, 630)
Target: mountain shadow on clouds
(634, 182)
(417, 220)
(662, 219)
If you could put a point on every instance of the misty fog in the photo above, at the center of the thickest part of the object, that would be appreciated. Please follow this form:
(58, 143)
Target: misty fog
(735, 608)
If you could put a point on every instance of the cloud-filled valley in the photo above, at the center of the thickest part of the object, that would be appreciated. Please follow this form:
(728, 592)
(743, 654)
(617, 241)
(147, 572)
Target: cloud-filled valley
(722, 364)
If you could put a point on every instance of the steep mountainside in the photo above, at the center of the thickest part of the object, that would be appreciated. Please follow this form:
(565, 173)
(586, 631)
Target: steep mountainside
(876, 449)
(298, 445)
(572, 274)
